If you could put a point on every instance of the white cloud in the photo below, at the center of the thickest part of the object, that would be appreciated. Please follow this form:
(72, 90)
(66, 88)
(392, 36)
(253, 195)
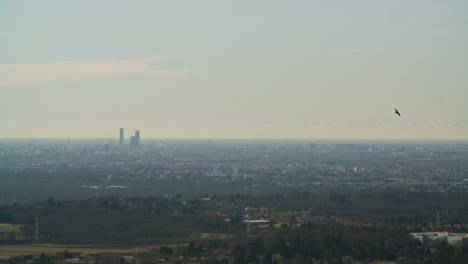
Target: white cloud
(61, 71)
(4, 34)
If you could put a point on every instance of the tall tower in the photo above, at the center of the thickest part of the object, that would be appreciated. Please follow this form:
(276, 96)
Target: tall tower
(36, 233)
(137, 137)
(438, 217)
(121, 139)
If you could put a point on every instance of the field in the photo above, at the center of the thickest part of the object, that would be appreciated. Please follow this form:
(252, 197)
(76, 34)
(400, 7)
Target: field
(9, 228)
(211, 236)
(8, 251)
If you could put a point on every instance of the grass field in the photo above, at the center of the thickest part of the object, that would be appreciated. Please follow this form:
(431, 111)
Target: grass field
(211, 236)
(8, 251)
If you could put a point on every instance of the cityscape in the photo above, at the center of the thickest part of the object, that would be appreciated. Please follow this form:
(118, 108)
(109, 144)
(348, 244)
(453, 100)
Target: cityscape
(248, 186)
(240, 165)
(233, 132)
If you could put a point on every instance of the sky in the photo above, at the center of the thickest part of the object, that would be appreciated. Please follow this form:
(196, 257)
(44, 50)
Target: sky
(234, 69)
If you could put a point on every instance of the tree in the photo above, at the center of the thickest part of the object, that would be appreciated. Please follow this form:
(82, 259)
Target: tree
(256, 246)
(166, 250)
(268, 258)
(67, 255)
(239, 254)
(51, 201)
(192, 248)
(42, 259)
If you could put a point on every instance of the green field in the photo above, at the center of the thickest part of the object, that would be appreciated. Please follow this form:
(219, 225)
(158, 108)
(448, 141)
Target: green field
(8, 251)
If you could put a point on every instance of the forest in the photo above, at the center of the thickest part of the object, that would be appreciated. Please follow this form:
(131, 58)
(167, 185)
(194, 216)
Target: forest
(302, 225)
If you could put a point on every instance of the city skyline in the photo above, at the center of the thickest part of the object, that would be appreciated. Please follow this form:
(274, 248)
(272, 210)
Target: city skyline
(268, 69)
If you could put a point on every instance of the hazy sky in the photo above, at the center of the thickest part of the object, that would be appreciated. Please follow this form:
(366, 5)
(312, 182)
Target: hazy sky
(234, 69)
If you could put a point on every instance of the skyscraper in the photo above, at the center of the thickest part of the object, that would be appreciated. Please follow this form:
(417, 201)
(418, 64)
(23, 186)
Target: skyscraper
(121, 139)
(137, 137)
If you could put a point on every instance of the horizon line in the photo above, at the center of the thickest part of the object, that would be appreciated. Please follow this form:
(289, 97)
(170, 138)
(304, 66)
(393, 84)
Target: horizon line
(233, 138)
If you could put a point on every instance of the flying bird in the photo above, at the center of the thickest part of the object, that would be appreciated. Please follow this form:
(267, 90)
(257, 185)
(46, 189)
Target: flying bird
(396, 112)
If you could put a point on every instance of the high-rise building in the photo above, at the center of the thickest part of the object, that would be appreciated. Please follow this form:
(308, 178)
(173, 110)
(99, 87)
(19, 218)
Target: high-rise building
(137, 137)
(135, 140)
(121, 139)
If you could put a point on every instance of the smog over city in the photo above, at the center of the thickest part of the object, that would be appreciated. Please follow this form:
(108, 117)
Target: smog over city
(233, 132)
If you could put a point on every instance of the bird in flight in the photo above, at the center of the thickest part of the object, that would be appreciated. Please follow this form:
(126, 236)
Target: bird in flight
(396, 112)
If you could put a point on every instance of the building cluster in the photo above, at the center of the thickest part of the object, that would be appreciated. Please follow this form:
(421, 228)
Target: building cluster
(429, 238)
(99, 164)
(10, 232)
(134, 140)
(265, 216)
